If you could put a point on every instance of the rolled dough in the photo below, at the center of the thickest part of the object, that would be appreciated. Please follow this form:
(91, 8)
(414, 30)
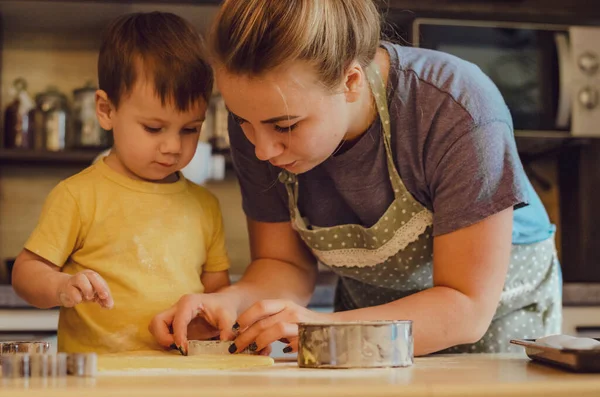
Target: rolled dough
(156, 360)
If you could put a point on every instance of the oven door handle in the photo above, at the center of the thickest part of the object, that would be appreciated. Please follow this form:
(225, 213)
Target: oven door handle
(563, 51)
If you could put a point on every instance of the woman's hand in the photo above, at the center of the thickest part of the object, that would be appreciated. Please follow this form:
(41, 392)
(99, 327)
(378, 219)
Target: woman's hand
(202, 315)
(268, 321)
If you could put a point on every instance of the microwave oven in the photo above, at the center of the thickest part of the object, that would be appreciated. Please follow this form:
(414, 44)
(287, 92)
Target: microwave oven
(549, 75)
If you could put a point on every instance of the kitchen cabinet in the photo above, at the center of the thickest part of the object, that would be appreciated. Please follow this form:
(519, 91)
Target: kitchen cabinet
(399, 14)
(80, 158)
(525, 8)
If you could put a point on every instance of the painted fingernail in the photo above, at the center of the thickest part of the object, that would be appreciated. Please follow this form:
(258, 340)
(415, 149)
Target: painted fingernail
(253, 347)
(232, 348)
(173, 346)
(235, 327)
(181, 351)
(287, 349)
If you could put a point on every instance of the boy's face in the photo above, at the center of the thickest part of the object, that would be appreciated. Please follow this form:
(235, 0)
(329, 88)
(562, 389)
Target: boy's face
(152, 141)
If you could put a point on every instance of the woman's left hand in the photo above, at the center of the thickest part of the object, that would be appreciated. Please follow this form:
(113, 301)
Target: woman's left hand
(268, 321)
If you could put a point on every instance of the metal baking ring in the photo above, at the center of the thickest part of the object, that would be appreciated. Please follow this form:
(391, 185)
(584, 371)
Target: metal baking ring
(357, 344)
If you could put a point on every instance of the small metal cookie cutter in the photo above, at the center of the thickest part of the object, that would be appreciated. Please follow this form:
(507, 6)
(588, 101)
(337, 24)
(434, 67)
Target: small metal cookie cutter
(25, 365)
(198, 347)
(360, 344)
(82, 364)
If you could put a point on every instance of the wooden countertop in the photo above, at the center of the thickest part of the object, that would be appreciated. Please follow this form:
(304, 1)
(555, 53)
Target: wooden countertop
(449, 375)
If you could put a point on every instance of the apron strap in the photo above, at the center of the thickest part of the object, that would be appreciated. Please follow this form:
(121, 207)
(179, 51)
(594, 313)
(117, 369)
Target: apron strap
(290, 182)
(379, 91)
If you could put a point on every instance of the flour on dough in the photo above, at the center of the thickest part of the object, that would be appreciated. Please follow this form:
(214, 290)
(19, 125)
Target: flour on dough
(173, 362)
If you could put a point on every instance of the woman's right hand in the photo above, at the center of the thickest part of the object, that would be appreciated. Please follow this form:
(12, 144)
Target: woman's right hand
(204, 314)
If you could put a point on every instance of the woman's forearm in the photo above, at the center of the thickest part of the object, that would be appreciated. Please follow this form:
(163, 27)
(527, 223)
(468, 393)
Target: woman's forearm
(442, 317)
(274, 279)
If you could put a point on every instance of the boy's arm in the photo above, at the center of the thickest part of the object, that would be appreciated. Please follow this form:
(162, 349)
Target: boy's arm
(214, 281)
(215, 271)
(36, 280)
(43, 285)
(36, 275)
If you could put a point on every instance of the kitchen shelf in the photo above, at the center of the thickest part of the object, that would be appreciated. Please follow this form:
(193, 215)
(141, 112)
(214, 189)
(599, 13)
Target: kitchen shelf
(582, 9)
(191, 2)
(24, 157)
(82, 22)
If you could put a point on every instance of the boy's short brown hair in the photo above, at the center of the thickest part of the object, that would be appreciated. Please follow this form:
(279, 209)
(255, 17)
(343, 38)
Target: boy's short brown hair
(168, 48)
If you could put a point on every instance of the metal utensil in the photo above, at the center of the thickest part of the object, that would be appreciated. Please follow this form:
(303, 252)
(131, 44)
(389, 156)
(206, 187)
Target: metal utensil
(198, 347)
(370, 344)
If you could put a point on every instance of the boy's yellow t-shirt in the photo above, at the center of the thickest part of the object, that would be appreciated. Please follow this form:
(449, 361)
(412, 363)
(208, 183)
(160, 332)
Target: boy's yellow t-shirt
(149, 241)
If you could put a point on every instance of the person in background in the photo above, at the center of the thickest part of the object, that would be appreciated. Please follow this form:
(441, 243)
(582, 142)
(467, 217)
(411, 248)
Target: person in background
(394, 166)
(130, 233)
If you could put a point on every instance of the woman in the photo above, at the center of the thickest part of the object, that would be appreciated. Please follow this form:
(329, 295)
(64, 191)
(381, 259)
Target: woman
(394, 166)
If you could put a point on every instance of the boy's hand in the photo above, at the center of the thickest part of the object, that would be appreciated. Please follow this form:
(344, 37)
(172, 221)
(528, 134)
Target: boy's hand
(85, 286)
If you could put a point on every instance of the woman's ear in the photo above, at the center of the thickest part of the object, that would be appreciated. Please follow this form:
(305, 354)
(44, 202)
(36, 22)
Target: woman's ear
(353, 82)
(104, 110)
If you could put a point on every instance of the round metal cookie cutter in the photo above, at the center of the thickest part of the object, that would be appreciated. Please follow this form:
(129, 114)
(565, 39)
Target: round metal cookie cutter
(357, 344)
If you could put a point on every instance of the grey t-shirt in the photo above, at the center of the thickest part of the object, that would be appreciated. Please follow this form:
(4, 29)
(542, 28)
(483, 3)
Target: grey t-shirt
(453, 144)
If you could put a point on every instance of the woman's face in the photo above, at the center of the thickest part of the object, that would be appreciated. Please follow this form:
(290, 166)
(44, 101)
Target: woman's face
(292, 120)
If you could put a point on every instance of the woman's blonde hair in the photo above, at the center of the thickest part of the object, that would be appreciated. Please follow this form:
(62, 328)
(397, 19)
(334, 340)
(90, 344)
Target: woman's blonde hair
(251, 37)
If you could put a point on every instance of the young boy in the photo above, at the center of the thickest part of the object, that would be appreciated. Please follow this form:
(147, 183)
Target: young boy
(130, 233)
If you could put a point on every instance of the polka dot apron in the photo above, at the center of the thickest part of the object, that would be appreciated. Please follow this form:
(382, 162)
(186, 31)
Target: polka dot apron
(394, 258)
